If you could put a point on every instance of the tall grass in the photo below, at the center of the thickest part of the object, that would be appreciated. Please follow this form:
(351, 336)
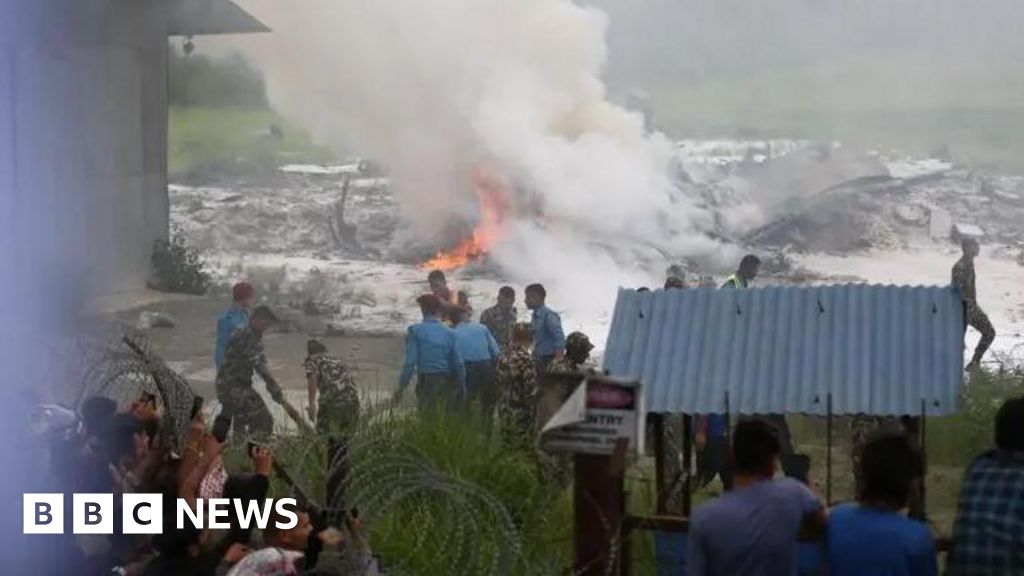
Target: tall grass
(443, 495)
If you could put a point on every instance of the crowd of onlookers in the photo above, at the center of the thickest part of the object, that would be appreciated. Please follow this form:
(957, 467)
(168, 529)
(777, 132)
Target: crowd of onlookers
(755, 527)
(105, 450)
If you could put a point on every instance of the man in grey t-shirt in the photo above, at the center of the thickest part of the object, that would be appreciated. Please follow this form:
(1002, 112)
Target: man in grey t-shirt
(753, 529)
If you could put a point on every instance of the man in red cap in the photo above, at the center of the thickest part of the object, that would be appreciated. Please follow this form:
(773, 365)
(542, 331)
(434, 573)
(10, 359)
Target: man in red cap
(235, 317)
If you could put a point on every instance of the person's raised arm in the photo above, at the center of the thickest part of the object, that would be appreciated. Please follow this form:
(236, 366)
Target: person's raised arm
(203, 458)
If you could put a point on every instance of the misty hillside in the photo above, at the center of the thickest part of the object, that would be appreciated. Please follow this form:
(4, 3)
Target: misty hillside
(916, 74)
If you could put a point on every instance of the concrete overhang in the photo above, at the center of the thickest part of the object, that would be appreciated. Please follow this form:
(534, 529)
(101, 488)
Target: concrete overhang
(205, 17)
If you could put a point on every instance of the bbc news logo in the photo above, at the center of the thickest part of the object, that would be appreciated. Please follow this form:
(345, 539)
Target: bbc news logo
(144, 513)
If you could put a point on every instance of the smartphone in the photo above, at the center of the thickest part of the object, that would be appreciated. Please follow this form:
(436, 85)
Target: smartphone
(252, 448)
(221, 427)
(197, 406)
(354, 512)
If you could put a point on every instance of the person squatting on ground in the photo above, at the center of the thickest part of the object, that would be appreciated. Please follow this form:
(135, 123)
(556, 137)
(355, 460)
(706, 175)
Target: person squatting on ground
(548, 337)
(988, 534)
(753, 529)
(501, 317)
(964, 280)
(479, 351)
(432, 356)
(243, 357)
(234, 318)
(517, 382)
(336, 412)
(872, 536)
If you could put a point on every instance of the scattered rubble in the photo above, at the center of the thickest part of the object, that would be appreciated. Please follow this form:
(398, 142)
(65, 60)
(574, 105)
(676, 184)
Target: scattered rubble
(150, 319)
(963, 231)
(344, 263)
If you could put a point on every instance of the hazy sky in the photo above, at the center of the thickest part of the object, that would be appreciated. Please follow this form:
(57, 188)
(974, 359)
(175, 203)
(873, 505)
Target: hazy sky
(693, 39)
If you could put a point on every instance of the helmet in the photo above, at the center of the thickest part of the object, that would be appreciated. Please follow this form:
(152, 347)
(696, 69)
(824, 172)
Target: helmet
(578, 341)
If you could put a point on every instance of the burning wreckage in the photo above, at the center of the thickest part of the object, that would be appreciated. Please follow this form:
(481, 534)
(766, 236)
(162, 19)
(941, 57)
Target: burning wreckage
(331, 235)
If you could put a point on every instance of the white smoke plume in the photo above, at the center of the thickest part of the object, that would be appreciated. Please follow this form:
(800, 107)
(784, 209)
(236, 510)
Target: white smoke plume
(434, 89)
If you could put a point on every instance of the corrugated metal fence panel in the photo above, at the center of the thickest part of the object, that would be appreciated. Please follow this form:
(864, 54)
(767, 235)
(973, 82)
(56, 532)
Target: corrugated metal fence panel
(876, 349)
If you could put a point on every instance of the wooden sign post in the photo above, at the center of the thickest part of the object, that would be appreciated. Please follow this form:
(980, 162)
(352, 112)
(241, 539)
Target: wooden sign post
(599, 421)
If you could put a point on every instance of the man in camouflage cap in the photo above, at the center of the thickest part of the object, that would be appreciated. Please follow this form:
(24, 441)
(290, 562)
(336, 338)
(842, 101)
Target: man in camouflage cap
(577, 352)
(244, 356)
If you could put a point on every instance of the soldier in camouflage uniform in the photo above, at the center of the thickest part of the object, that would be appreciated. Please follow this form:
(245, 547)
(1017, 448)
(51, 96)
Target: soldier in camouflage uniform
(577, 352)
(964, 280)
(337, 410)
(336, 413)
(517, 383)
(244, 356)
(501, 317)
(557, 468)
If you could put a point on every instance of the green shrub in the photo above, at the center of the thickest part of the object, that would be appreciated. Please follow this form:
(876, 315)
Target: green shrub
(224, 81)
(177, 267)
(954, 440)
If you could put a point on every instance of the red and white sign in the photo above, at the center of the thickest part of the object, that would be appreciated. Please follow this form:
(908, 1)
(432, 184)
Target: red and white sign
(595, 417)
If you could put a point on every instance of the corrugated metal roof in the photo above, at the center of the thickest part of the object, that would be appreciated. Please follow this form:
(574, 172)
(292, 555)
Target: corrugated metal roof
(877, 349)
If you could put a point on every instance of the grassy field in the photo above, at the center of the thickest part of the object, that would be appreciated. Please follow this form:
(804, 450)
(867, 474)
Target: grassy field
(203, 137)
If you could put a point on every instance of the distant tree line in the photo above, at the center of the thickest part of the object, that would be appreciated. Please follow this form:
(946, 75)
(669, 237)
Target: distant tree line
(227, 81)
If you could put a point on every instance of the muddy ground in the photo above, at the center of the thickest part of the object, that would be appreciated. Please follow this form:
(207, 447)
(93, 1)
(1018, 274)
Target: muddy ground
(188, 348)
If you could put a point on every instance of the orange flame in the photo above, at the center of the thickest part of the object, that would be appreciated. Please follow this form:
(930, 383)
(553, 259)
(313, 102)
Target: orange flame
(492, 208)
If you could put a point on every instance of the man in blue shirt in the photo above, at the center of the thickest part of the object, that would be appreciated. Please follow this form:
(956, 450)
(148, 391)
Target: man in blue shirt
(431, 354)
(871, 536)
(753, 529)
(548, 337)
(711, 439)
(479, 352)
(234, 318)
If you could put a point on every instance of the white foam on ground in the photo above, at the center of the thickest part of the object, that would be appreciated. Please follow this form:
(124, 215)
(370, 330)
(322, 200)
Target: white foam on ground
(1000, 284)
